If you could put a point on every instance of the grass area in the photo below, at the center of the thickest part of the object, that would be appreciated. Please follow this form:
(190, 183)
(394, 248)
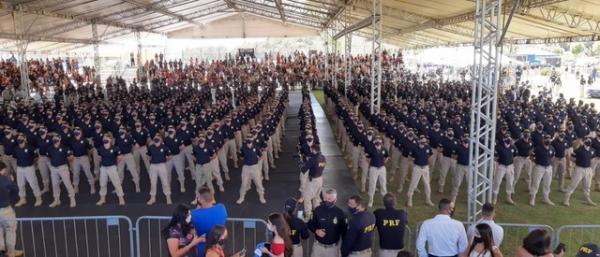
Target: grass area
(521, 213)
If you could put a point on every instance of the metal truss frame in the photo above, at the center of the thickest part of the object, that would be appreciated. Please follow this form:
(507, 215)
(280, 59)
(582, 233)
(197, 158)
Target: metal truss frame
(22, 44)
(336, 26)
(486, 61)
(347, 54)
(376, 56)
(97, 60)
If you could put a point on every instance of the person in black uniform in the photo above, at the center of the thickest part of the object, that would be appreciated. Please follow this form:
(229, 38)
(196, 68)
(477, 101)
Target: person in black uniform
(328, 223)
(8, 219)
(358, 238)
(312, 190)
(110, 155)
(543, 155)
(559, 162)
(25, 155)
(391, 224)
(59, 156)
(505, 153)
(158, 154)
(80, 147)
(298, 229)
(522, 162)
(583, 171)
(420, 155)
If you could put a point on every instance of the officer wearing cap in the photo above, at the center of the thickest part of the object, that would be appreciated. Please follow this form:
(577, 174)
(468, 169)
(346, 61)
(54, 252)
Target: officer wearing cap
(203, 154)
(141, 136)
(97, 139)
(80, 147)
(229, 134)
(408, 141)
(184, 134)
(543, 171)
(583, 160)
(314, 167)
(9, 143)
(59, 156)
(391, 224)
(110, 155)
(367, 143)
(43, 142)
(219, 148)
(358, 238)
(559, 162)
(420, 155)
(447, 163)
(298, 229)
(377, 156)
(522, 162)
(174, 141)
(213, 143)
(462, 166)
(505, 152)
(251, 154)
(329, 225)
(125, 144)
(158, 154)
(25, 155)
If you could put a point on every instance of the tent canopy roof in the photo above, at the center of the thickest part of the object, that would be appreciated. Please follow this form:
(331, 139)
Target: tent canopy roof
(54, 24)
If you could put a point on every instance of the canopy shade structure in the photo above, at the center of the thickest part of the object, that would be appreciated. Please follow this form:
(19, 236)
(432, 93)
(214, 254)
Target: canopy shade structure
(61, 24)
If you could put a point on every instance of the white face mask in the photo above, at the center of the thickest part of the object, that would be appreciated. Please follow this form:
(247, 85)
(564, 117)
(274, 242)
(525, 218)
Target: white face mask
(270, 227)
(188, 219)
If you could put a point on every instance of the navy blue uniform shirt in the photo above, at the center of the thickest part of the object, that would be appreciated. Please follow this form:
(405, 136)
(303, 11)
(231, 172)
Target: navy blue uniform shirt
(377, 156)
(125, 144)
(158, 154)
(108, 157)
(58, 155)
(505, 154)
(25, 156)
(543, 155)
(462, 155)
(250, 155)
(173, 144)
(298, 230)
(421, 155)
(332, 220)
(359, 234)
(391, 225)
(202, 154)
(8, 191)
(79, 146)
(583, 157)
(315, 165)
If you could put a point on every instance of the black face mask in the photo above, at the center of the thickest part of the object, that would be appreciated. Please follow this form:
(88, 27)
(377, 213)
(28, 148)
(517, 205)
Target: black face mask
(222, 242)
(477, 240)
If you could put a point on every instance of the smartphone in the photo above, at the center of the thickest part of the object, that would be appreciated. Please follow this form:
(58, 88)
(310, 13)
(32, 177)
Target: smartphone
(300, 214)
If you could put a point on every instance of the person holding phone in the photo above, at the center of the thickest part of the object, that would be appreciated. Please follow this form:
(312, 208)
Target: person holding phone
(281, 244)
(180, 233)
(215, 240)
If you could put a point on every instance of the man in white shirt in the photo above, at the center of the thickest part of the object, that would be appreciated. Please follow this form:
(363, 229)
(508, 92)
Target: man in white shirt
(487, 215)
(445, 237)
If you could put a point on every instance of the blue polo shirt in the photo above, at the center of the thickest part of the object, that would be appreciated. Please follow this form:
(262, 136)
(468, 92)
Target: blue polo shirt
(204, 219)
(583, 157)
(250, 155)
(202, 154)
(523, 148)
(125, 144)
(108, 157)
(505, 154)
(158, 154)
(25, 156)
(140, 137)
(185, 136)
(79, 146)
(543, 155)
(42, 144)
(377, 156)
(173, 144)
(421, 155)
(58, 155)
(462, 155)
(9, 145)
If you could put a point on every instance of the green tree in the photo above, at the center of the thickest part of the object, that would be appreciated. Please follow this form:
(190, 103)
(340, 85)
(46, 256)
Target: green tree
(577, 50)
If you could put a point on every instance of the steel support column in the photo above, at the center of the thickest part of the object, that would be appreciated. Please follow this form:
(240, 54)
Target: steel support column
(335, 27)
(22, 44)
(97, 60)
(377, 40)
(347, 54)
(488, 28)
(138, 39)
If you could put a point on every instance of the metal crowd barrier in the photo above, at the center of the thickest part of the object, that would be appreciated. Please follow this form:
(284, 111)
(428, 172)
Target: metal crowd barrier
(243, 233)
(75, 236)
(573, 236)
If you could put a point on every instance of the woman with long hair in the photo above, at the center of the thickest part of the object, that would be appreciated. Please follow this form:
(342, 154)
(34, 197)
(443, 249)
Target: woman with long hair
(180, 234)
(215, 240)
(482, 244)
(281, 244)
(536, 244)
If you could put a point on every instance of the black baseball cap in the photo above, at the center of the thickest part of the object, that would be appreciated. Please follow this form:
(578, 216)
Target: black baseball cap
(588, 250)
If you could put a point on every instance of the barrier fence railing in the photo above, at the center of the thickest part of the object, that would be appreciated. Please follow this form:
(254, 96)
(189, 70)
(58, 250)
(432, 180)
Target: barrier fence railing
(242, 233)
(75, 236)
(573, 236)
(114, 236)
